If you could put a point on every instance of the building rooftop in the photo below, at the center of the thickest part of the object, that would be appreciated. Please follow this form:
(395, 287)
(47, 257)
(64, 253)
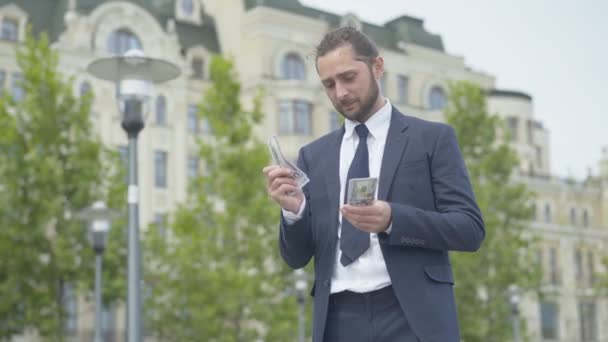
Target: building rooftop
(47, 16)
(403, 29)
(510, 93)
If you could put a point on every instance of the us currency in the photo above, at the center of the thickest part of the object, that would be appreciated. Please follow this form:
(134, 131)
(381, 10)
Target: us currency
(362, 191)
(279, 159)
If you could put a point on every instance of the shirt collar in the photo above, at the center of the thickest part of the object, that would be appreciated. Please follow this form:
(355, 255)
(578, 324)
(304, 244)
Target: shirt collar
(377, 124)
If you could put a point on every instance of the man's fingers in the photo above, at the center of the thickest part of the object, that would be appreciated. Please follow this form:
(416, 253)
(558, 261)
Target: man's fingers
(278, 182)
(266, 170)
(285, 189)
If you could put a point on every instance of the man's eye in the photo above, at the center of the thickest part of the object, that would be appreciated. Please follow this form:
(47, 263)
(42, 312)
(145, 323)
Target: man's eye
(329, 85)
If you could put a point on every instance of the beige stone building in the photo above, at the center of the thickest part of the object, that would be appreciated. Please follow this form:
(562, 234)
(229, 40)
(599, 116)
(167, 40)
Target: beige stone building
(272, 43)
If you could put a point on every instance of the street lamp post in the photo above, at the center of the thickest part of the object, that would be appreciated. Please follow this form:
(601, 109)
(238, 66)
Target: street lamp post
(134, 75)
(514, 293)
(300, 286)
(98, 216)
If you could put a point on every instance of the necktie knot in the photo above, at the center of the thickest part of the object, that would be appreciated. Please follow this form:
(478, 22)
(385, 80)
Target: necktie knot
(362, 131)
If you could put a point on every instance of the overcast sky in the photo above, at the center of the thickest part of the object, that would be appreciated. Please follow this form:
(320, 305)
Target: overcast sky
(556, 51)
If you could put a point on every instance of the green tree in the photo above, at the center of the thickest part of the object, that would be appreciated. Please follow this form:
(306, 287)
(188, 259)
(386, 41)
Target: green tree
(219, 276)
(51, 167)
(506, 256)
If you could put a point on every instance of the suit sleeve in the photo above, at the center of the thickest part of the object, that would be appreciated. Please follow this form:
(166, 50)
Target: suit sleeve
(457, 224)
(296, 240)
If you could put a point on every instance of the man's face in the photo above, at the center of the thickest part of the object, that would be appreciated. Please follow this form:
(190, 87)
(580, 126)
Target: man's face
(351, 84)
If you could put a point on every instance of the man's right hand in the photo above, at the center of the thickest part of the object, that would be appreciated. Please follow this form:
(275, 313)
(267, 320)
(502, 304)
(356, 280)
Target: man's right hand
(282, 188)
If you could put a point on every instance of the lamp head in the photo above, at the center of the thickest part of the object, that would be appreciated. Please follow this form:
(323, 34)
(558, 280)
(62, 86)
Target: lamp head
(99, 218)
(134, 75)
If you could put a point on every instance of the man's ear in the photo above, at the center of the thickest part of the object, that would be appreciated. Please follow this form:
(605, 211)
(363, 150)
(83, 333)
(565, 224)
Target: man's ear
(378, 67)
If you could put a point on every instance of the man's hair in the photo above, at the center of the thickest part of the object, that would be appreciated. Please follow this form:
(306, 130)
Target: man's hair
(365, 50)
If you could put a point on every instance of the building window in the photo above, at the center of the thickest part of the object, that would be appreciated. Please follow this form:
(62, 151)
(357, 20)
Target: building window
(2, 81)
(160, 169)
(161, 110)
(549, 320)
(587, 314)
(188, 7)
(534, 211)
(334, 120)
(198, 67)
(590, 268)
(193, 167)
(512, 124)
(192, 119)
(17, 87)
(530, 131)
(293, 68)
(121, 41)
(573, 216)
(585, 218)
(10, 29)
(437, 98)
(553, 267)
(383, 83)
(547, 213)
(578, 266)
(70, 305)
(402, 89)
(295, 117)
(160, 221)
(85, 88)
(206, 126)
(539, 156)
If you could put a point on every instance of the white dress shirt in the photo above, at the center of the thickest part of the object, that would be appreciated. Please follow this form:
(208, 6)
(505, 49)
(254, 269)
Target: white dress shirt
(368, 272)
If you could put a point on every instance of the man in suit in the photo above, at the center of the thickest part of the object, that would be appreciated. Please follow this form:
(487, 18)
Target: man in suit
(382, 271)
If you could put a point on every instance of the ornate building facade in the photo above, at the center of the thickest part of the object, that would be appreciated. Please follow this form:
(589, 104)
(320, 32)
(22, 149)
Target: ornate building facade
(272, 44)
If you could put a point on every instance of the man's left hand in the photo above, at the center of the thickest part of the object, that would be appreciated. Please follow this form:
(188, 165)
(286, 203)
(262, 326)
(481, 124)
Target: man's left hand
(373, 218)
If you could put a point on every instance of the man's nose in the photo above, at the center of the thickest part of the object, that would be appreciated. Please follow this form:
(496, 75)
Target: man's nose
(341, 91)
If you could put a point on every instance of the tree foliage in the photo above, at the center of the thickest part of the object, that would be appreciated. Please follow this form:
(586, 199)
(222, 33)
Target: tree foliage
(218, 277)
(506, 256)
(51, 167)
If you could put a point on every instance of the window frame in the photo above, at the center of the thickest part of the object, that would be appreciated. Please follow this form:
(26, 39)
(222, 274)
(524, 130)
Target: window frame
(293, 67)
(293, 124)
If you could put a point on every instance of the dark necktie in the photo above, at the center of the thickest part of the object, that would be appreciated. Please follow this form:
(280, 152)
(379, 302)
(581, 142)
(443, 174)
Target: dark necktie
(354, 242)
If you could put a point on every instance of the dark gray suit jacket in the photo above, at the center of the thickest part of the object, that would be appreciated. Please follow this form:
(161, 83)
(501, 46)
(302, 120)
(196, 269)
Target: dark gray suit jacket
(424, 179)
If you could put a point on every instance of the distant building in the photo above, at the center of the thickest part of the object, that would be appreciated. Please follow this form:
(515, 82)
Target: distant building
(272, 42)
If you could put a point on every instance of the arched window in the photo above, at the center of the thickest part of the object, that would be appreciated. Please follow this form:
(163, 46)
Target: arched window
(121, 41)
(292, 67)
(9, 30)
(161, 110)
(585, 218)
(573, 216)
(437, 98)
(198, 67)
(547, 213)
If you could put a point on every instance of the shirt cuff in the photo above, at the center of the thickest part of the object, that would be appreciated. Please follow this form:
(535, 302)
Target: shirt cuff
(390, 227)
(291, 218)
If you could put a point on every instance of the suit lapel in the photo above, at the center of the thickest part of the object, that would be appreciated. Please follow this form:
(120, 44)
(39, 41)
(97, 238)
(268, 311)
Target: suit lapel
(331, 158)
(396, 142)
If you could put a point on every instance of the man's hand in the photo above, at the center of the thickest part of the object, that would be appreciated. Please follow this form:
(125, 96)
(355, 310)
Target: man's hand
(282, 188)
(373, 218)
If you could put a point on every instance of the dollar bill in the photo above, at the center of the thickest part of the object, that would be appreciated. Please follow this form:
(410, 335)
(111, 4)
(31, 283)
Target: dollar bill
(279, 159)
(362, 191)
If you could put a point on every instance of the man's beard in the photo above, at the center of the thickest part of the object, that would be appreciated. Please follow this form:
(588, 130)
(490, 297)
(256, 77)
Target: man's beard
(367, 103)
